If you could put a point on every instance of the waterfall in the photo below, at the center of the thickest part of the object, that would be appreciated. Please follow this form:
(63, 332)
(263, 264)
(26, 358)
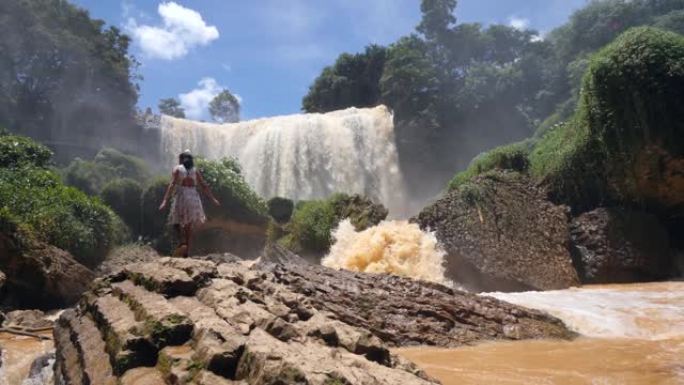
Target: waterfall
(305, 156)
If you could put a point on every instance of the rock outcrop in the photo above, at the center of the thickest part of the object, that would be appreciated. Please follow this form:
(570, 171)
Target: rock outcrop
(184, 321)
(39, 275)
(501, 233)
(613, 245)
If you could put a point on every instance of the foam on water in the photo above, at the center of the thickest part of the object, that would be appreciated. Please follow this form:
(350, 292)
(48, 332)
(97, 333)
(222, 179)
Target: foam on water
(305, 156)
(395, 247)
(646, 311)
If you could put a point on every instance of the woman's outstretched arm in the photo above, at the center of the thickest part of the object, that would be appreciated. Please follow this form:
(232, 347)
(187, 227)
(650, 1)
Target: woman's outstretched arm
(169, 189)
(206, 189)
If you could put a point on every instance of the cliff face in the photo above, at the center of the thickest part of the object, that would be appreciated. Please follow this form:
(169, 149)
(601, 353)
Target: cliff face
(182, 321)
(501, 232)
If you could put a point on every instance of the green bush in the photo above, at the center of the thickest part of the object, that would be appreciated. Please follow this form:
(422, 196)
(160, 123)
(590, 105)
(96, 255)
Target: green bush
(60, 215)
(153, 222)
(124, 196)
(238, 201)
(18, 151)
(630, 99)
(280, 209)
(108, 164)
(309, 231)
(510, 157)
(311, 227)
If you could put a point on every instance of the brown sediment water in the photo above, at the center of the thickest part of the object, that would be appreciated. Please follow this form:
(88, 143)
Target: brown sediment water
(633, 335)
(18, 354)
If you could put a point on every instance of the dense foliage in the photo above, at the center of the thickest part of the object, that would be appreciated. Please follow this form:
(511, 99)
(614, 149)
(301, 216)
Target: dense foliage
(238, 201)
(460, 88)
(17, 151)
(310, 229)
(626, 137)
(225, 108)
(59, 215)
(280, 209)
(63, 75)
(124, 196)
(108, 164)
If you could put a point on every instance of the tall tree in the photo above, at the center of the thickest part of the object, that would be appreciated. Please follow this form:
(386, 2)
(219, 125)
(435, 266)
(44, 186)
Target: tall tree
(225, 108)
(63, 76)
(171, 107)
(353, 81)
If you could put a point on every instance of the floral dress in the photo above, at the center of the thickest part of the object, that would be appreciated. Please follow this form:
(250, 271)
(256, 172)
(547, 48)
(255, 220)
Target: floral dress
(186, 207)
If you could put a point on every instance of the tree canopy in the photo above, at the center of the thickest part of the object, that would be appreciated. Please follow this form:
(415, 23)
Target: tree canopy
(225, 108)
(63, 75)
(171, 107)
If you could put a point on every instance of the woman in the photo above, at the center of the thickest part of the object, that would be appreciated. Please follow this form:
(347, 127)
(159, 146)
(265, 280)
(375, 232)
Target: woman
(186, 207)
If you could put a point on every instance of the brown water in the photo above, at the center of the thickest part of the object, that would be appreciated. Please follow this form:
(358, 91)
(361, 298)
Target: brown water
(18, 355)
(634, 334)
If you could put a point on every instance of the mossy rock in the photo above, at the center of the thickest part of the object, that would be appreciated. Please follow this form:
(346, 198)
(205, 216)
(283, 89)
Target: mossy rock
(510, 157)
(626, 141)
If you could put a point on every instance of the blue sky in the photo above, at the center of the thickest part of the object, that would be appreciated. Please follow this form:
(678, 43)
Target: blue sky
(269, 51)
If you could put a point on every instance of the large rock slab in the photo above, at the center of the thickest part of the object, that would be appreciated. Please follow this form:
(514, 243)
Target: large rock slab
(38, 275)
(500, 232)
(615, 245)
(271, 323)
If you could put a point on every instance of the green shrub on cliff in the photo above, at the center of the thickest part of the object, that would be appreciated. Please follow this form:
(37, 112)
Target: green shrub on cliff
(36, 199)
(18, 151)
(310, 230)
(619, 146)
(510, 157)
(108, 164)
(280, 209)
(629, 114)
(124, 196)
(238, 201)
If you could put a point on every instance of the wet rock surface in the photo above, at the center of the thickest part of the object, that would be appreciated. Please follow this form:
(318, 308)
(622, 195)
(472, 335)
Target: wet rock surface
(186, 321)
(616, 245)
(500, 232)
(39, 275)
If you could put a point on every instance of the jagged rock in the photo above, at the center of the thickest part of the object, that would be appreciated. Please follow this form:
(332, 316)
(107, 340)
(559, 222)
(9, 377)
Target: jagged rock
(27, 320)
(276, 323)
(613, 245)
(39, 275)
(3, 279)
(501, 233)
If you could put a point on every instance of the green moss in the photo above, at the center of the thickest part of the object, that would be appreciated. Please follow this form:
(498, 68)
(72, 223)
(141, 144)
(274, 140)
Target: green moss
(631, 98)
(510, 157)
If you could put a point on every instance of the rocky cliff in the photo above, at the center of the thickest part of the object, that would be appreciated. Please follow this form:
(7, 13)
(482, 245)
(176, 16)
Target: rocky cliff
(178, 321)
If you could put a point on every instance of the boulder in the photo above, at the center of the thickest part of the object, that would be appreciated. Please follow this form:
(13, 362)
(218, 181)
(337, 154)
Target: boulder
(616, 245)
(500, 232)
(271, 323)
(39, 275)
(30, 320)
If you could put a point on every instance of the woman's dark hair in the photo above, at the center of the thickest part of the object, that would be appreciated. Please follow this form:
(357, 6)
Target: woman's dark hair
(186, 160)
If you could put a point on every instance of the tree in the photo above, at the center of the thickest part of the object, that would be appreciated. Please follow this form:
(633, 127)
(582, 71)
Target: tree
(225, 108)
(353, 81)
(63, 75)
(171, 107)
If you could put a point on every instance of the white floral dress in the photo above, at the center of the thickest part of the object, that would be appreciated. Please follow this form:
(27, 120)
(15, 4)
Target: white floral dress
(186, 207)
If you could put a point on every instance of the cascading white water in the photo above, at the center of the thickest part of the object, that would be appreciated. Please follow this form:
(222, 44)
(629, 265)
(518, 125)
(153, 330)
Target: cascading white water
(304, 156)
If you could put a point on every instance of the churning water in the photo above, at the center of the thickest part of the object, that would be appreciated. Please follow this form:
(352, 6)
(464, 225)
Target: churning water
(394, 247)
(303, 156)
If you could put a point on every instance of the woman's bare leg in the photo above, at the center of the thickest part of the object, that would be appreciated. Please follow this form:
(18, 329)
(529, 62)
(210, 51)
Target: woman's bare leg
(188, 236)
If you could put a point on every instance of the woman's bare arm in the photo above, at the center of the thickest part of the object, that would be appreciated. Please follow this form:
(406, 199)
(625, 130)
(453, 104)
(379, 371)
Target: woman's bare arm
(169, 189)
(206, 189)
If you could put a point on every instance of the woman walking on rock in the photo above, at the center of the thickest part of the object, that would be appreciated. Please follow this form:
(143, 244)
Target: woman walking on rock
(186, 206)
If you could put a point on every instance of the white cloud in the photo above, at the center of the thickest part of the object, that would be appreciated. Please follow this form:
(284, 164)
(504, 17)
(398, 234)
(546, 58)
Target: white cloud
(518, 22)
(196, 102)
(182, 29)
